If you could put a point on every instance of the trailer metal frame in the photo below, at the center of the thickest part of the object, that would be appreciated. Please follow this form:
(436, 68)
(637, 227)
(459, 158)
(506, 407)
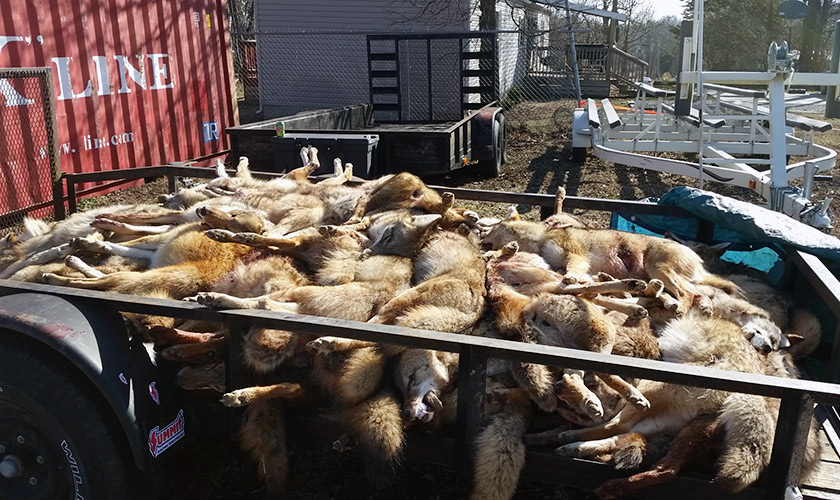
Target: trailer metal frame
(798, 396)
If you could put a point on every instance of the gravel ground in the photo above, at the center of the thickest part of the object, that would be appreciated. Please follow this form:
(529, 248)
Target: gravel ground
(539, 143)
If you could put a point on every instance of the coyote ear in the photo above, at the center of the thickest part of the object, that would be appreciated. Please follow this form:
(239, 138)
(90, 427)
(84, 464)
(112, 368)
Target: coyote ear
(512, 213)
(784, 342)
(424, 221)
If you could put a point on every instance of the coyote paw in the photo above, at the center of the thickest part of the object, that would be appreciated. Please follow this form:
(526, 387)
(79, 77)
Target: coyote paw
(569, 450)
(566, 437)
(345, 442)
(54, 279)
(215, 300)
(89, 244)
(704, 304)
(636, 285)
(638, 400)
(220, 235)
(593, 407)
(328, 230)
(570, 279)
(236, 398)
(225, 236)
(654, 288)
(321, 345)
(108, 224)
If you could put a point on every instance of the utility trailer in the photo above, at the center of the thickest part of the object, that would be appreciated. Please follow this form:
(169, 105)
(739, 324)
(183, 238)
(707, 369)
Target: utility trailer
(87, 410)
(426, 115)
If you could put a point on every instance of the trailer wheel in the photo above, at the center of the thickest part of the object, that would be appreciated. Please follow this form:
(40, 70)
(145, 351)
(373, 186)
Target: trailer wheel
(578, 155)
(503, 145)
(493, 166)
(56, 438)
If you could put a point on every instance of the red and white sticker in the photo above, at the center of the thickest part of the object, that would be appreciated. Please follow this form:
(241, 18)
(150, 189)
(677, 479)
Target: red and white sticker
(160, 440)
(154, 393)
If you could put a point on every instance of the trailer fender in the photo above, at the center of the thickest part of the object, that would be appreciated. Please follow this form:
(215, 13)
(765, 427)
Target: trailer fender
(124, 372)
(483, 145)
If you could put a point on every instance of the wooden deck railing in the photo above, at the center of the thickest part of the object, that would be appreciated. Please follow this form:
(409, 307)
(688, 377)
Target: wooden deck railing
(595, 62)
(625, 70)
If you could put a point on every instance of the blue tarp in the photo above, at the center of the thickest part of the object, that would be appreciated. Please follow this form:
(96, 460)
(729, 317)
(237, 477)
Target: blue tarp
(757, 234)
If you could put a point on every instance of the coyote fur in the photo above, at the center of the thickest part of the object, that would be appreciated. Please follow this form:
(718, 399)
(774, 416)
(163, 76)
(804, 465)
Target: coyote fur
(747, 422)
(554, 319)
(582, 253)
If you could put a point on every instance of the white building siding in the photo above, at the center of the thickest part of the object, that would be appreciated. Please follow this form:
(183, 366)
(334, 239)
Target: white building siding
(322, 70)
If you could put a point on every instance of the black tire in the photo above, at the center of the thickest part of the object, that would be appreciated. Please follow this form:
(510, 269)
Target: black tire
(58, 439)
(493, 166)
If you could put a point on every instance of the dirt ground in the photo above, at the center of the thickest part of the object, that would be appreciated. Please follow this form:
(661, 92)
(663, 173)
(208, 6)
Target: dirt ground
(539, 150)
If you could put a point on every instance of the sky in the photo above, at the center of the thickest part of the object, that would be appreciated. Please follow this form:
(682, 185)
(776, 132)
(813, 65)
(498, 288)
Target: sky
(664, 8)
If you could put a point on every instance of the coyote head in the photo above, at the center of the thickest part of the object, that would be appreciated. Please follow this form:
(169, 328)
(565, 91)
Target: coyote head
(404, 237)
(421, 376)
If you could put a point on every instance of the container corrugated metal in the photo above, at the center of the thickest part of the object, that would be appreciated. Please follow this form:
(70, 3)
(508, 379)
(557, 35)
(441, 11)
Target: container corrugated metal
(136, 83)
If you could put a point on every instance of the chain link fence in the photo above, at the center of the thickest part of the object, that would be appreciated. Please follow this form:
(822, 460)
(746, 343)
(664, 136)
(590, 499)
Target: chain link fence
(29, 164)
(282, 73)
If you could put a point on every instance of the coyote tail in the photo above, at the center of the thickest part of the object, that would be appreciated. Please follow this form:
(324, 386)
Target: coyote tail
(361, 376)
(749, 426)
(500, 455)
(263, 437)
(377, 424)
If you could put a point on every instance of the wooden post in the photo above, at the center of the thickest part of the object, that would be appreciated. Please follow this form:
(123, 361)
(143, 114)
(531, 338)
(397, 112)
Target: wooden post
(795, 415)
(472, 383)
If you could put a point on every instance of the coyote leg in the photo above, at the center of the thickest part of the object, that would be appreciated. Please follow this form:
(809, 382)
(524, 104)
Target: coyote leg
(597, 447)
(168, 335)
(627, 391)
(248, 395)
(254, 239)
(83, 267)
(619, 424)
(218, 300)
(123, 228)
(164, 217)
(614, 286)
(201, 353)
(697, 435)
(628, 308)
(44, 257)
(109, 248)
(581, 395)
(325, 345)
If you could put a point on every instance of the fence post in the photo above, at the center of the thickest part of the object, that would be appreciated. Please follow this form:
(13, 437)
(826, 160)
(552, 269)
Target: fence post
(795, 414)
(236, 374)
(472, 383)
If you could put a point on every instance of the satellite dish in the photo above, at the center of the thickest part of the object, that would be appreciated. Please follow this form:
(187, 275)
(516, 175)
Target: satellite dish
(792, 9)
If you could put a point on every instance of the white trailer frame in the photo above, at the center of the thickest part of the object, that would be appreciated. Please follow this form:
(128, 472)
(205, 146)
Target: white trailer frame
(729, 139)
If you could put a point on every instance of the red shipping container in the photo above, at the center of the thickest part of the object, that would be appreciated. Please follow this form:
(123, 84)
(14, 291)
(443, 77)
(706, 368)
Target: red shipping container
(136, 83)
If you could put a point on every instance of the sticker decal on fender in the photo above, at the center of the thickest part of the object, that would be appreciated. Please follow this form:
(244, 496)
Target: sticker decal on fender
(154, 393)
(160, 440)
